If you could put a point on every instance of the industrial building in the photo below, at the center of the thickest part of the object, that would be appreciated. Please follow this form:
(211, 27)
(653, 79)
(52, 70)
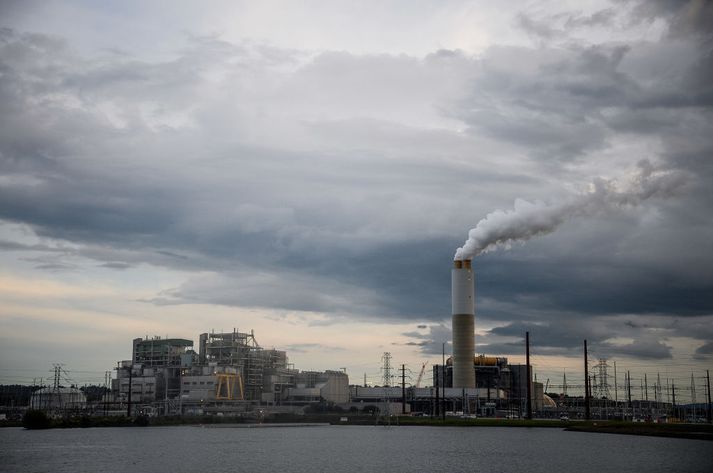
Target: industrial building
(230, 373)
(500, 386)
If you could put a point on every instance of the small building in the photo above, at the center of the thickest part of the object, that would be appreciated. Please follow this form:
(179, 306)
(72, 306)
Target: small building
(312, 386)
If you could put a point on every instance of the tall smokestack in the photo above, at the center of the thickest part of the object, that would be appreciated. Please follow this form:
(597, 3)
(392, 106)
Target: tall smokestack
(463, 302)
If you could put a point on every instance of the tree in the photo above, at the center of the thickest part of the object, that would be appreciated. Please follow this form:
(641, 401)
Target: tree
(35, 419)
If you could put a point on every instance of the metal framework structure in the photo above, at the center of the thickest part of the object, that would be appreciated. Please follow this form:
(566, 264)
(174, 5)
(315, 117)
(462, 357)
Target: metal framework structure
(160, 352)
(227, 383)
(241, 350)
(601, 386)
(386, 369)
(420, 375)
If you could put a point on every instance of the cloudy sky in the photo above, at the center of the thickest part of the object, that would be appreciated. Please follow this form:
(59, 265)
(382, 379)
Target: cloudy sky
(308, 169)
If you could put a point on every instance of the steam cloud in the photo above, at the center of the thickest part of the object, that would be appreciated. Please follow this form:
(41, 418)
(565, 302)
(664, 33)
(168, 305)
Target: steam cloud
(502, 228)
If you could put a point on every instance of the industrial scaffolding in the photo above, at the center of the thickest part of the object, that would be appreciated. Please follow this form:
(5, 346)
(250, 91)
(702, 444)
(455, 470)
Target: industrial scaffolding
(241, 351)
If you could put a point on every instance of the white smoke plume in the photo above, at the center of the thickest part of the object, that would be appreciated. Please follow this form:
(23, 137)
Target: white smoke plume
(525, 220)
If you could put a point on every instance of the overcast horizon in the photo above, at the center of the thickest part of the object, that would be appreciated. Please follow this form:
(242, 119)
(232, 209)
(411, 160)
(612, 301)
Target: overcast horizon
(308, 172)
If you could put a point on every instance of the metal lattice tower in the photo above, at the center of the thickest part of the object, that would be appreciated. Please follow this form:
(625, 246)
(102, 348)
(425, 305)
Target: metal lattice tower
(386, 368)
(57, 375)
(602, 384)
(563, 394)
(693, 390)
(564, 384)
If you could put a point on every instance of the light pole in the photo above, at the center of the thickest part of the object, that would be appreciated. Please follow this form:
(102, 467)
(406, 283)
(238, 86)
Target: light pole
(131, 377)
(443, 380)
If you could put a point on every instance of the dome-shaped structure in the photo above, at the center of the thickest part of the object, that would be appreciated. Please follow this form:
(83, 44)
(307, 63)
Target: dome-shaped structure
(548, 401)
(58, 399)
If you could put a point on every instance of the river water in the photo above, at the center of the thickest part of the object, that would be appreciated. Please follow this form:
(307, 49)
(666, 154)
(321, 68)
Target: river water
(215, 449)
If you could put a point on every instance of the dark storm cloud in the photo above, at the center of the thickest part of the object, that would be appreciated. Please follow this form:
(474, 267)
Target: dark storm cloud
(549, 101)
(565, 337)
(381, 284)
(646, 349)
(704, 350)
(127, 218)
(277, 290)
(340, 207)
(82, 200)
(684, 17)
(565, 102)
(590, 286)
(429, 339)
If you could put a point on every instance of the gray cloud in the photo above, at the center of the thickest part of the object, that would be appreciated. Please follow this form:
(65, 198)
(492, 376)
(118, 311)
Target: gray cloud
(311, 347)
(704, 350)
(565, 338)
(430, 339)
(562, 334)
(342, 183)
(275, 290)
(116, 265)
(549, 101)
(539, 29)
(50, 261)
(684, 17)
(646, 349)
(602, 17)
(559, 26)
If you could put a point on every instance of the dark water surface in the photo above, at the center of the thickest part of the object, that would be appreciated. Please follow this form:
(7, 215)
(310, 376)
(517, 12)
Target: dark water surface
(345, 449)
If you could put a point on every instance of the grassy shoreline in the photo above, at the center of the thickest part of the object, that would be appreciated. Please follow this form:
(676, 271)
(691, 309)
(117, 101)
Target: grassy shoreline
(686, 431)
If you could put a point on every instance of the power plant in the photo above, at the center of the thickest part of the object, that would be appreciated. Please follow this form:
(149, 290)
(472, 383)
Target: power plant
(230, 374)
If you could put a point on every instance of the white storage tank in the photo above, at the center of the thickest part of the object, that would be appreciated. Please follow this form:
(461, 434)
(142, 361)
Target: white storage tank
(52, 399)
